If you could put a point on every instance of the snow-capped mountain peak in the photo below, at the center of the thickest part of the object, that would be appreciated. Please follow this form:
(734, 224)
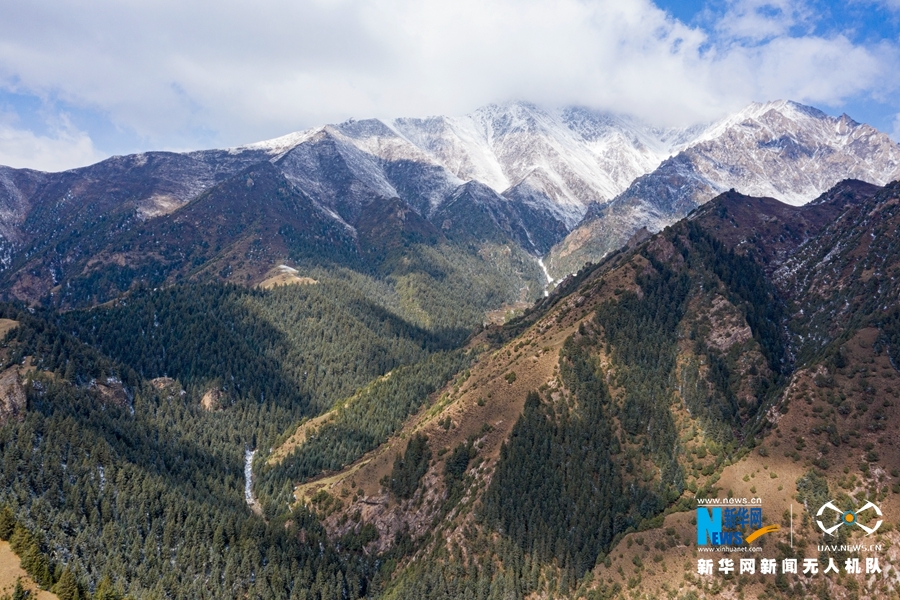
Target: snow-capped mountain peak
(573, 156)
(779, 149)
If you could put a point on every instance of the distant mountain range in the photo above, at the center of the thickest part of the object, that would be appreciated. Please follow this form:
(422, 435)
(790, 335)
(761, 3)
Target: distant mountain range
(569, 185)
(781, 150)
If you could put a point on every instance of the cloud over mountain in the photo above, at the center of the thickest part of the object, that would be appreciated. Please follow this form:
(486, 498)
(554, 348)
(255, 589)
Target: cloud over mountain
(180, 75)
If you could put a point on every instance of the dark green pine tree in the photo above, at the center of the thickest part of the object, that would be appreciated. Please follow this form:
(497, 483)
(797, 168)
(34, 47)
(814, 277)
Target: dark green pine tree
(7, 523)
(20, 593)
(67, 586)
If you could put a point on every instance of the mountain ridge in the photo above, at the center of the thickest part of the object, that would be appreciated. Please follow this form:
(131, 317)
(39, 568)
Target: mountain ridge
(567, 185)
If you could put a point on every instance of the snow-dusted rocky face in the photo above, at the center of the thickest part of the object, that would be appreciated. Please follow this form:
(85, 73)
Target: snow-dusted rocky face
(561, 160)
(782, 150)
(566, 159)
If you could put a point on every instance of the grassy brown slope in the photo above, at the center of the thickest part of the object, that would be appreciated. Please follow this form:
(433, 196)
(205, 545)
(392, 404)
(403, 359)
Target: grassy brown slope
(284, 275)
(11, 571)
(662, 562)
(7, 325)
(486, 406)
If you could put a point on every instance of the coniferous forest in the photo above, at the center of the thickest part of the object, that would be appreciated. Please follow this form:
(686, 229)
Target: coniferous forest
(118, 473)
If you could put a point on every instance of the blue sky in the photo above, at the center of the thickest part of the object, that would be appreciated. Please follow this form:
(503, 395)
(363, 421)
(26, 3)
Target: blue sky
(864, 22)
(81, 82)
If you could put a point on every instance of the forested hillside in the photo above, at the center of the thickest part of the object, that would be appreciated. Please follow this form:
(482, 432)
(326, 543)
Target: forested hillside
(128, 454)
(686, 362)
(645, 408)
(239, 229)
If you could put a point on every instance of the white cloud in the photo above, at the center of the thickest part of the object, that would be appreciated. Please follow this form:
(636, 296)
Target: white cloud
(896, 133)
(808, 69)
(166, 69)
(757, 20)
(66, 148)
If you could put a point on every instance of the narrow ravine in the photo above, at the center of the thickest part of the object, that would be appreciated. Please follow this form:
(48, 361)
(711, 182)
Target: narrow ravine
(248, 482)
(547, 275)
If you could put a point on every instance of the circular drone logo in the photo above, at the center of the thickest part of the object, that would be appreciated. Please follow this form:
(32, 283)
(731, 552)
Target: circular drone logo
(848, 518)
